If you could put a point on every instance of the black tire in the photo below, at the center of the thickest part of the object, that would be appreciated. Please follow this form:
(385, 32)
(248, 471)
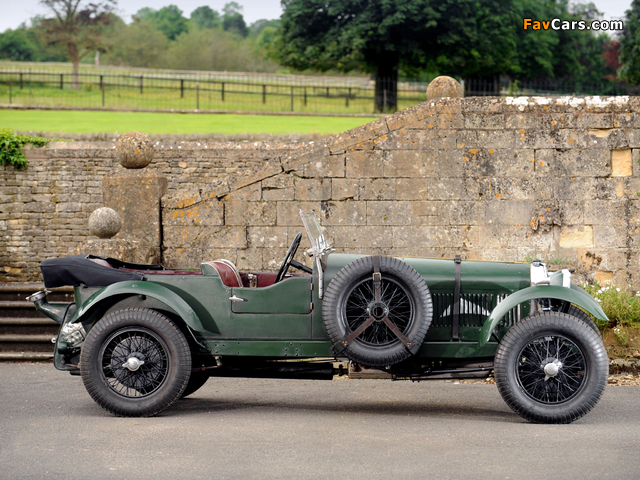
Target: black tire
(406, 301)
(135, 362)
(551, 368)
(196, 381)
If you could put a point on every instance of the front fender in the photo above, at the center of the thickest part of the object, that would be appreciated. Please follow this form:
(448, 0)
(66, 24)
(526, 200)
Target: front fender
(153, 290)
(574, 295)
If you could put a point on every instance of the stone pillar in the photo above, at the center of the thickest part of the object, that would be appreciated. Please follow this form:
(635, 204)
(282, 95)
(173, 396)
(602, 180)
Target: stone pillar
(444, 87)
(135, 195)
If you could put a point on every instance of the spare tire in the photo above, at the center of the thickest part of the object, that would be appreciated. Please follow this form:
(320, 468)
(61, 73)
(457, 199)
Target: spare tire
(404, 303)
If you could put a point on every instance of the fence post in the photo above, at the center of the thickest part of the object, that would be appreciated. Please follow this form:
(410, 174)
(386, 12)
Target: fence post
(198, 96)
(348, 95)
(305, 96)
(264, 94)
(20, 80)
(292, 99)
(10, 92)
(222, 91)
(384, 100)
(181, 88)
(102, 89)
(61, 81)
(140, 84)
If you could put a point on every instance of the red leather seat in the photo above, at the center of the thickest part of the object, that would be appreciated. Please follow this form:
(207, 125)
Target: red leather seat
(227, 271)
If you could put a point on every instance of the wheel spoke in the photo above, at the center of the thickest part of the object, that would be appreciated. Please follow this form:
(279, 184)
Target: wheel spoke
(562, 381)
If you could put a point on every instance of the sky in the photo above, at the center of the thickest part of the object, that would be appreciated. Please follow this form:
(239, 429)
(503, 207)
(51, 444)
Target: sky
(15, 12)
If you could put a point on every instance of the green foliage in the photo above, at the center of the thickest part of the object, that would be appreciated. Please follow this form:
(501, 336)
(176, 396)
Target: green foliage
(232, 19)
(205, 17)
(16, 45)
(139, 44)
(11, 147)
(168, 20)
(630, 45)
(620, 304)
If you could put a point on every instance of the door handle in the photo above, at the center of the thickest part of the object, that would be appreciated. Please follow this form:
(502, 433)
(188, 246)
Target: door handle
(236, 299)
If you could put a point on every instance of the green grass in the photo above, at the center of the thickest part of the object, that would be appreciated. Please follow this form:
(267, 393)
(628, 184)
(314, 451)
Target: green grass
(60, 122)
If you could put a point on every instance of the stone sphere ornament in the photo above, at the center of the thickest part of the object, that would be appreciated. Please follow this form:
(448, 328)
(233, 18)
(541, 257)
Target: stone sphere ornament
(134, 150)
(442, 87)
(104, 222)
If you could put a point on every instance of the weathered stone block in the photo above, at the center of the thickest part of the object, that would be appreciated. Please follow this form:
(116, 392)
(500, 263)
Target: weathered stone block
(341, 142)
(345, 189)
(604, 212)
(498, 162)
(279, 187)
(483, 121)
(411, 189)
(467, 213)
(327, 166)
(312, 189)
(430, 213)
(268, 237)
(361, 237)
(495, 139)
(514, 212)
(453, 189)
(576, 237)
(573, 162)
(389, 213)
(364, 164)
(621, 163)
(595, 120)
(405, 163)
(378, 189)
(288, 212)
(250, 213)
(343, 213)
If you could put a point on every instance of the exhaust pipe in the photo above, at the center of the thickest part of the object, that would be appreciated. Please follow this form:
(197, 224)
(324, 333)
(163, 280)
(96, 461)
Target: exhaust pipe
(55, 311)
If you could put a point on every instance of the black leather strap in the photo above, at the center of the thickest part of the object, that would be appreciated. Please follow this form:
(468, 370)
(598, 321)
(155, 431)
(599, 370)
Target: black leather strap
(455, 319)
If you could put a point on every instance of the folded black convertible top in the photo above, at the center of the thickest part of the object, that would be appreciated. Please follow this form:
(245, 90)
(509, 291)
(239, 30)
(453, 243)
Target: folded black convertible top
(79, 270)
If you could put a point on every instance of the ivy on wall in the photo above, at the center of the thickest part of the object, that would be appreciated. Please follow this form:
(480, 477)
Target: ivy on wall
(11, 144)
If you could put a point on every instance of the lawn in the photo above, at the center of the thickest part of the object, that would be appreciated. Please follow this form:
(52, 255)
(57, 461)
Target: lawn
(57, 121)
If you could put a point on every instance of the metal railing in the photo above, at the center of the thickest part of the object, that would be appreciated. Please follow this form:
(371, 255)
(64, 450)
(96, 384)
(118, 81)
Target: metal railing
(205, 91)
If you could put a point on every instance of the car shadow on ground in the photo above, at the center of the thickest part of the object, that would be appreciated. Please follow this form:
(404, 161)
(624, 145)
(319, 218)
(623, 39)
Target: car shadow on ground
(199, 405)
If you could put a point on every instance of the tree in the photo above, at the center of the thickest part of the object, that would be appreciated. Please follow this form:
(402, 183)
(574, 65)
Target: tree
(232, 19)
(168, 20)
(16, 45)
(139, 44)
(79, 29)
(465, 37)
(630, 45)
(205, 17)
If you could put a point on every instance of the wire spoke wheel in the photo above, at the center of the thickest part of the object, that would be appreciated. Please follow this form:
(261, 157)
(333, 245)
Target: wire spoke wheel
(134, 362)
(395, 304)
(552, 369)
(377, 310)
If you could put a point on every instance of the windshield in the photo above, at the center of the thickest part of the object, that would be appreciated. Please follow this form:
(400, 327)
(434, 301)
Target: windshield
(318, 243)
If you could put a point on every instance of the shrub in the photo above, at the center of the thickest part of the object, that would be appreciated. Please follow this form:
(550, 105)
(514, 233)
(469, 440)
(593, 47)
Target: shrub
(11, 147)
(621, 304)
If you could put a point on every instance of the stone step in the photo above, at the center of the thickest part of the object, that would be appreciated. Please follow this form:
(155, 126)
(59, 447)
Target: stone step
(25, 338)
(26, 356)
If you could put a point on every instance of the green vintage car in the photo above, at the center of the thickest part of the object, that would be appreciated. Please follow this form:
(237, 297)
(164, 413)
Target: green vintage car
(142, 337)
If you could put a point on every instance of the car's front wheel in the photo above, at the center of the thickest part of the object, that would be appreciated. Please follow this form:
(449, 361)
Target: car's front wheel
(551, 368)
(135, 362)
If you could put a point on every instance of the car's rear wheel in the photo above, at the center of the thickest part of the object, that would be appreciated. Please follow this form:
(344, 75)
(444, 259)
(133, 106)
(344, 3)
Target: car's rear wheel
(377, 329)
(551, 368)
(135, 362)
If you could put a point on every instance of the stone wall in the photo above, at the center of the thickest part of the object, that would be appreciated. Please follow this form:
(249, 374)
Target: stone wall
(488, 178)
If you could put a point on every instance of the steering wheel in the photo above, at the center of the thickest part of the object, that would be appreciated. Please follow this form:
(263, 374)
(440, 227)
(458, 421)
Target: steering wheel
(289, 261)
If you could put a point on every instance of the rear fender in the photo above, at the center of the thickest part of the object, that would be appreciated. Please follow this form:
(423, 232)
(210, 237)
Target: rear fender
(574, 295)
(153, 290)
